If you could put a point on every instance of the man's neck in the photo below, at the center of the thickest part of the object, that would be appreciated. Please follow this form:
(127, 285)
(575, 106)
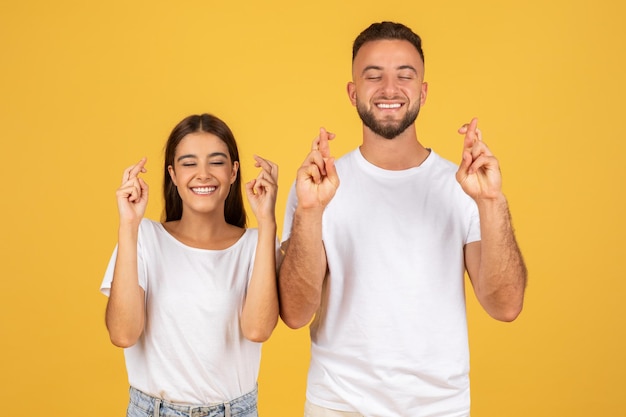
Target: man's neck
(402, 152)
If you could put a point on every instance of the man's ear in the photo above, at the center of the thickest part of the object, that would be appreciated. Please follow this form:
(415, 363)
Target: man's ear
(351, 88)
(424, 93)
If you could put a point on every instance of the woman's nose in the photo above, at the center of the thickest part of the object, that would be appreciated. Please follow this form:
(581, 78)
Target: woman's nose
(203, 172)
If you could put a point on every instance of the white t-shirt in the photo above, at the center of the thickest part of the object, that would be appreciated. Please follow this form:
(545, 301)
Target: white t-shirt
(390, 338)
(192, 349)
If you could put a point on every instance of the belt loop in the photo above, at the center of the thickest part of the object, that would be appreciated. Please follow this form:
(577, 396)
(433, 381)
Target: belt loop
(157, 407)
(226, 409)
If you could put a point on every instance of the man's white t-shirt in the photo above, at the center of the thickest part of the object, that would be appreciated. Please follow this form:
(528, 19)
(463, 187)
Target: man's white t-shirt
(390, 337)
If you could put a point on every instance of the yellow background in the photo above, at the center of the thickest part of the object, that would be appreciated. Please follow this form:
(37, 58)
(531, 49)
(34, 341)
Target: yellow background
(87, 88)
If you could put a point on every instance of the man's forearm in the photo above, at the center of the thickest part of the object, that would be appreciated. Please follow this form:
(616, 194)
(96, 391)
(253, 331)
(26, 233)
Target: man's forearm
(303, 269)
(501, 280)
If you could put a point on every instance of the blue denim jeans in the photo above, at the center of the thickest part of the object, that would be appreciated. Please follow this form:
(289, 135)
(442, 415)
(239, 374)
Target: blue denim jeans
(144, 405)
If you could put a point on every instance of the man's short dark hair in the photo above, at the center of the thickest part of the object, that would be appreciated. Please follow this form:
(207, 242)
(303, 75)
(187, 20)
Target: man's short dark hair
(385, 31)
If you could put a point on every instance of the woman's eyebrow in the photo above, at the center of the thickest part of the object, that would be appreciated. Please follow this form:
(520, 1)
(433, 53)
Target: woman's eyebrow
(185, 156)
(211, 155)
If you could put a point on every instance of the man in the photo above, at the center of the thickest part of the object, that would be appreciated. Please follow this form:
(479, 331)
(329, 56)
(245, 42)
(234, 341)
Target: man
(377, 244)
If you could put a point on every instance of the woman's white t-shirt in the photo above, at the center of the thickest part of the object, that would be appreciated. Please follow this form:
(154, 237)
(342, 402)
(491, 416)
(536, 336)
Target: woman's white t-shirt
(192, 349)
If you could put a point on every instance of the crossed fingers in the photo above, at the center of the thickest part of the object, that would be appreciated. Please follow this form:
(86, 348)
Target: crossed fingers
(268, 175)
(132, 185)
(474, 146)
(320, 152)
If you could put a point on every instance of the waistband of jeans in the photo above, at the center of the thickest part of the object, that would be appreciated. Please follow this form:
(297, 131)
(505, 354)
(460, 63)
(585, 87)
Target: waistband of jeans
(138, 397)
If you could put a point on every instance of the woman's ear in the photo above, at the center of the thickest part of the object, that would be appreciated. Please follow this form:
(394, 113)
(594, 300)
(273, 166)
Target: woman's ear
(170, 169)
(233, 176)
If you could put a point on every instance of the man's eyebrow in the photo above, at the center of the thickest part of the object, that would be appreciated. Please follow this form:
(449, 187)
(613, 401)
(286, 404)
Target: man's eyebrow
(371, 67)
(378, 68)
(409, 67)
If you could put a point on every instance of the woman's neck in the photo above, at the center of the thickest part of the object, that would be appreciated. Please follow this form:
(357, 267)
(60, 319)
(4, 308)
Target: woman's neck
(204, 232)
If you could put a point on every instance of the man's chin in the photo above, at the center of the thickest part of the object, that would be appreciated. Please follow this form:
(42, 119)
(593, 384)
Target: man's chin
(388, 130)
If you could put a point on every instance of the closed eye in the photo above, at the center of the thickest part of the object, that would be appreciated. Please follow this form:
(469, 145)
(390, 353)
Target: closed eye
(406, 75)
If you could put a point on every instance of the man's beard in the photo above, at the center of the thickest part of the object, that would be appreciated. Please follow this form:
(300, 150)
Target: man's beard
(388, 130)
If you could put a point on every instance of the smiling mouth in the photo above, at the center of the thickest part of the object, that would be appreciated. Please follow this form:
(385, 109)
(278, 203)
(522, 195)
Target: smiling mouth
(203, 190)
(388, 105)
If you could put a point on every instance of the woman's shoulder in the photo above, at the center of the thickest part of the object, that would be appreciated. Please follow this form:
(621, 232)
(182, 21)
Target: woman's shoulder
(250, 234)
(151, 230)
(248, 239)
(150, 225)
(146, 222)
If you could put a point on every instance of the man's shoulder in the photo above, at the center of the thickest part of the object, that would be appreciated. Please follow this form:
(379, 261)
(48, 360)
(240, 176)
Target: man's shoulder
(348, 156)
(440, 163)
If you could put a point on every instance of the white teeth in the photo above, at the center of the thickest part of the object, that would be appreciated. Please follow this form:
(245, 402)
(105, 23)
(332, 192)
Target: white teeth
(203, 190)
(389, 106)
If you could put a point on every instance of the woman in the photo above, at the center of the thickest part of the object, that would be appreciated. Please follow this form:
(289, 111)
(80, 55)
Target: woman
(190, 299)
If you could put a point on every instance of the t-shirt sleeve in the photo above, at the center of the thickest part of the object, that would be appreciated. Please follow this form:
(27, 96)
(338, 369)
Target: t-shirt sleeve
(292, 202)
(277, 254)
(105, 286)
(473, 234)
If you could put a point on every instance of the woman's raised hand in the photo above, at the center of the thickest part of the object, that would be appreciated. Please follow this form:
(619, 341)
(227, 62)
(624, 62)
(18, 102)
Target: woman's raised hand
(262, 190)
(132, 196)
